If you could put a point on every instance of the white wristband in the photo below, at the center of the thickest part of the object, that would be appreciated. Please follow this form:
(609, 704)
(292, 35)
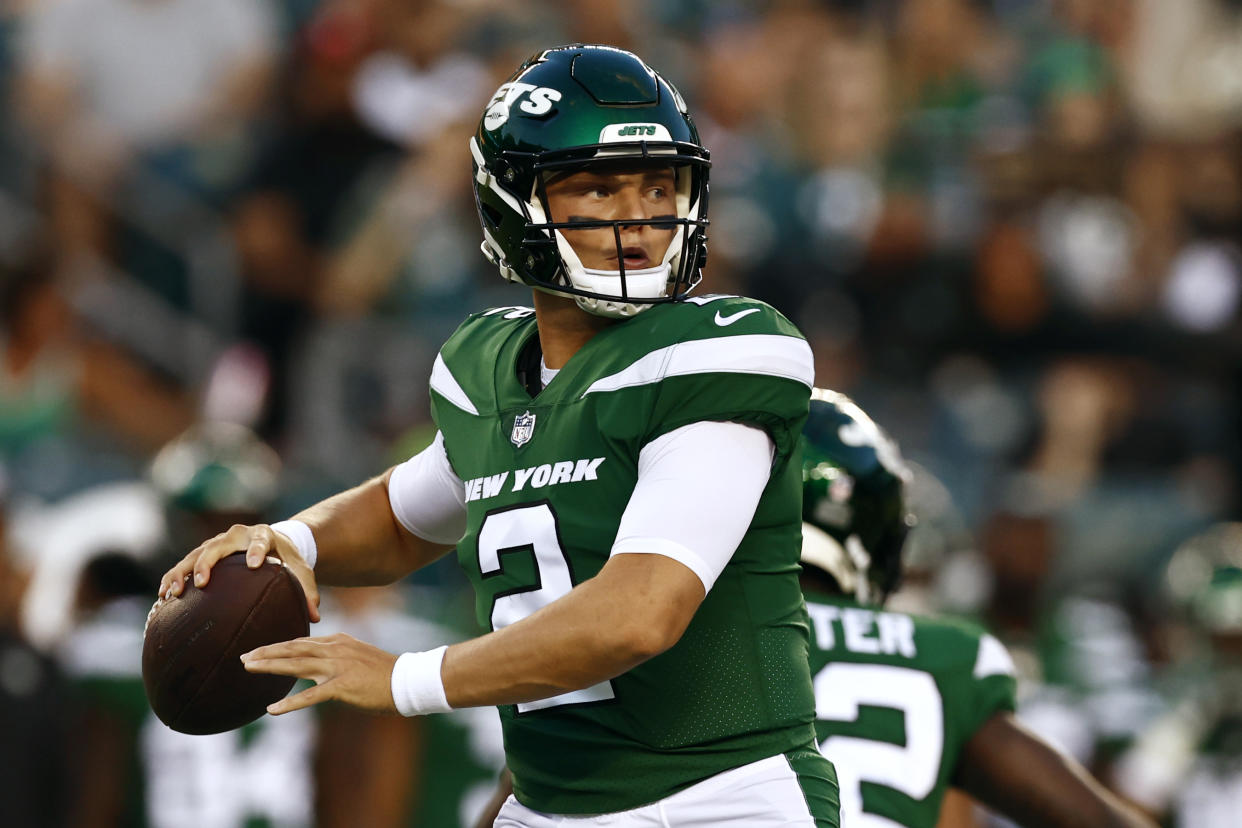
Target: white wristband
(301, 536)
(417, 687)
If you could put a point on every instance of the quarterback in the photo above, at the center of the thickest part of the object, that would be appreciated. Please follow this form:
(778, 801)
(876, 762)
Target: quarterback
(617, 470)
(909, 706)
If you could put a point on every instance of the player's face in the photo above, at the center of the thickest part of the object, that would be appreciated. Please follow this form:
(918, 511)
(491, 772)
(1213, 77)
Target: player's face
(637, 193)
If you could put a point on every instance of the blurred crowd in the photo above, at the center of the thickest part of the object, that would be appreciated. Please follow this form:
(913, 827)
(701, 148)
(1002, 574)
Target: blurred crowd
(233, 234)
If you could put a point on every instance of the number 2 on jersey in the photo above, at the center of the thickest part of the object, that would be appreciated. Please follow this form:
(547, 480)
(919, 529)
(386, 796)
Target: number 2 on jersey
(532, 529)
(840, 690)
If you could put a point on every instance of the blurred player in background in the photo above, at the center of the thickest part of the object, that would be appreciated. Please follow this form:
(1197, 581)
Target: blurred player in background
(292, 769)
(1187, 766)
(134, 770)
(909, 706)
(649, 662)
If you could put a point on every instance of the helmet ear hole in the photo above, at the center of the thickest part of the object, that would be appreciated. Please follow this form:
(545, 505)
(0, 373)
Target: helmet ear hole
(535, 259)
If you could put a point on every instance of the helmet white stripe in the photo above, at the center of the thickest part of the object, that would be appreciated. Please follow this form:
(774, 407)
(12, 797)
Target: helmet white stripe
(488, 180)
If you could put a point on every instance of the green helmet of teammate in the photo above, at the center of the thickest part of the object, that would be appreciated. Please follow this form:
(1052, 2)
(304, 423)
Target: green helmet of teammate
(217, 467)
(572, 107)
(853, 499)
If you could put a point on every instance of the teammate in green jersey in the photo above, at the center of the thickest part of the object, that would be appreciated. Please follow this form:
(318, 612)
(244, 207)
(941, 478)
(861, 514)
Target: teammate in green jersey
(617, 470)
(909, 706)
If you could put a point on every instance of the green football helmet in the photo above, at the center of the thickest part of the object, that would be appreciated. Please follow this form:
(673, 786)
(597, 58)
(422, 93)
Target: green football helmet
(854, 516)
(217, 467)
(574, 107)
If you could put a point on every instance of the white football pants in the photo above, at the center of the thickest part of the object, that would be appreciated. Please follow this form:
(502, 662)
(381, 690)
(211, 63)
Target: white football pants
(763, 794)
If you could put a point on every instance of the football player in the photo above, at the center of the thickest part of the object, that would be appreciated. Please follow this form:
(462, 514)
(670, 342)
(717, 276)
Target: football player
(616, 468)
(910, 706)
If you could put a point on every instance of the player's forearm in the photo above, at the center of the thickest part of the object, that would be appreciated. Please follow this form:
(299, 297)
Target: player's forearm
(1013, 771)
(360, 542)
(1103, 811)
(565, 646)
(634, 610)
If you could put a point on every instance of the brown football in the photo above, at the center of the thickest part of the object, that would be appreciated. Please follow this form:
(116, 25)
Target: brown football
(191, 651)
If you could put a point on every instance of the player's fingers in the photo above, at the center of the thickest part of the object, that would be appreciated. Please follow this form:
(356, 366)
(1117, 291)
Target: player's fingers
(218, 548)
(298, 647)
(262, 543)
(309, 696)
(318, 641)
(315, 669)
(173, 582)
(287, 552)
(307, 580)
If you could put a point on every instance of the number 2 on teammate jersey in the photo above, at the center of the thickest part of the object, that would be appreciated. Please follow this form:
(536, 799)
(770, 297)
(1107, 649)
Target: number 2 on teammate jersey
(840, 690)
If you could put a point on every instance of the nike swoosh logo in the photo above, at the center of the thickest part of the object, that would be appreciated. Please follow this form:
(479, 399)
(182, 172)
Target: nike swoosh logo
(733, 317)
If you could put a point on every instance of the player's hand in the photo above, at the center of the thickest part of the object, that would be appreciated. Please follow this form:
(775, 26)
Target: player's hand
(257, 542)
(342, 667)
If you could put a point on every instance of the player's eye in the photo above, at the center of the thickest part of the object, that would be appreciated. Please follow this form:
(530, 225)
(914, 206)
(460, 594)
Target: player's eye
(591, 190)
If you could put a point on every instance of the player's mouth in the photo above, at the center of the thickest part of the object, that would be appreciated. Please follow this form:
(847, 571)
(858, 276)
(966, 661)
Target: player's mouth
(635, 257)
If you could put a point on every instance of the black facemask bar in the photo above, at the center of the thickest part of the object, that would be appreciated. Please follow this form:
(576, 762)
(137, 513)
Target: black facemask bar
(683, 278)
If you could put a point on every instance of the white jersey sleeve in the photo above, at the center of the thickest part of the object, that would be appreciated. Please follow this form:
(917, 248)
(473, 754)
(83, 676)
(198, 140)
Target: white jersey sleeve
(427, 496)
(715, 472)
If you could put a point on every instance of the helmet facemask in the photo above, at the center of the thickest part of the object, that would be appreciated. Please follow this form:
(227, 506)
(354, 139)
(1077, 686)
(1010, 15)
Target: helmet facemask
(869, 576)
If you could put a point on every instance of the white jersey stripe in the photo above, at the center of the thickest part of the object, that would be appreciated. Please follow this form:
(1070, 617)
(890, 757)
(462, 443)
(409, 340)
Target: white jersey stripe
(445, 384)
(767, 354)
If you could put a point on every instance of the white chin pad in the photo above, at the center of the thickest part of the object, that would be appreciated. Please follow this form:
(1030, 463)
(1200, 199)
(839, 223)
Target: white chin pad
(647, 283)
(640, 283)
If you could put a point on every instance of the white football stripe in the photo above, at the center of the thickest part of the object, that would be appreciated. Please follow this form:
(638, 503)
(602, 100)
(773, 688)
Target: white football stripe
(445, 384)
(766, 354)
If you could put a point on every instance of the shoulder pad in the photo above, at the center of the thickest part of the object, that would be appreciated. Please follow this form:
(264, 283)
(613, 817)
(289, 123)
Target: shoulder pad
(685, 338)
(716, 315)
(459, 375)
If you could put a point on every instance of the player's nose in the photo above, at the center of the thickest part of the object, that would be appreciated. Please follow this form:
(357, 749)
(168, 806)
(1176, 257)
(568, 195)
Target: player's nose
(630, 207)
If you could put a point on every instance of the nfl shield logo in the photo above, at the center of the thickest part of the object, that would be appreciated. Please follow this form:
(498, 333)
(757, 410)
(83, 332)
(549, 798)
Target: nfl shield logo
(523, 429)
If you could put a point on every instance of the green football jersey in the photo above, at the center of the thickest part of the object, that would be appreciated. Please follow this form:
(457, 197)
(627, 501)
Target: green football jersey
(897, 697)
(547, 479)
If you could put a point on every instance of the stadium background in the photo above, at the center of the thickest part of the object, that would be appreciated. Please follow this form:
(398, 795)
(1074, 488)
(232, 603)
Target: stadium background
(1010, 229)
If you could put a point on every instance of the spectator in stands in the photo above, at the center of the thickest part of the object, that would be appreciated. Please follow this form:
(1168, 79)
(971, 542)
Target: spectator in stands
(72, 405)
(149, 95)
